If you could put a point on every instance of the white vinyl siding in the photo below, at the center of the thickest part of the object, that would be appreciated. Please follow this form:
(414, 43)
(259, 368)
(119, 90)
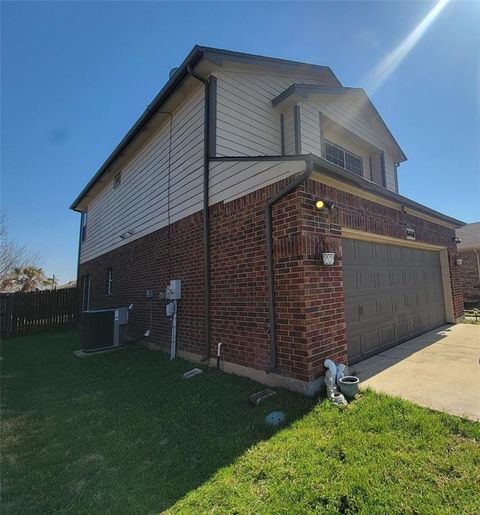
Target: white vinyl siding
(310, 129)
(233, 179)
(247, 124)
(140, 204)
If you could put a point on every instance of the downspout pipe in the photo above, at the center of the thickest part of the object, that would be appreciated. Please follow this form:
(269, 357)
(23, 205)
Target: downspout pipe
(206, 209)
(272, 326)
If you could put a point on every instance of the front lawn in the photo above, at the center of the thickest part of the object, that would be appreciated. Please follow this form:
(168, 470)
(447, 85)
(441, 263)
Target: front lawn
(124, 433)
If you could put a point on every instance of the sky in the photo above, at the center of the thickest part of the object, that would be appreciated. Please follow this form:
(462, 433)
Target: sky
(75, 76)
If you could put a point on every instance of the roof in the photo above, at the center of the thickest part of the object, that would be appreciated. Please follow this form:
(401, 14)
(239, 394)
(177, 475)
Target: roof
(337, 172)
(303, 90)
(215, 55)
(470, 236)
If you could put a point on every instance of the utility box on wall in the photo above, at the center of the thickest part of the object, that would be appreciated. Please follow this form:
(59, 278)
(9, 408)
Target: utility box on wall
(174, 290)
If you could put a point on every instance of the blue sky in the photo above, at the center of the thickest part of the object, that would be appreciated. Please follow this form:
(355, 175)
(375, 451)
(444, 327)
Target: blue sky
(76, 76)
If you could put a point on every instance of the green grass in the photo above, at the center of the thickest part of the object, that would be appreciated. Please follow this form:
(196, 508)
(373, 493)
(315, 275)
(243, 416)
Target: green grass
(123, 433)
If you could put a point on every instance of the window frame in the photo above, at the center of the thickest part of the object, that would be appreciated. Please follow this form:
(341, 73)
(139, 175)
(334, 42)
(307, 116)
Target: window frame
(345, 152)
(86, 280)
(109, 284)
(83, 223)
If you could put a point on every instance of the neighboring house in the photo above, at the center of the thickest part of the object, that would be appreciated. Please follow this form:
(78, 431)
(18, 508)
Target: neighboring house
(217, 183)
(469, 252)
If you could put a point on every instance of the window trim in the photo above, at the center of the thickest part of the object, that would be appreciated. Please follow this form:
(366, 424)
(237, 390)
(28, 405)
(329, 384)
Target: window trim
(86, 292)
(109, 281)
(345, 151)
(84, 222)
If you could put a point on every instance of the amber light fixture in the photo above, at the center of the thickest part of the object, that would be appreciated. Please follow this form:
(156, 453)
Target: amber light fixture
(321, 203)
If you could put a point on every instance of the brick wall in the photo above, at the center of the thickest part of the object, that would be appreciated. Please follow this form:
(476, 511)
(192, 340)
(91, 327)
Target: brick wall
(469, 274)
(144, 264)
(309, 297)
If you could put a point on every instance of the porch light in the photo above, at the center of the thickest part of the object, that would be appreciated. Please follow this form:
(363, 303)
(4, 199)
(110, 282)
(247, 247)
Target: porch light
(321, 203)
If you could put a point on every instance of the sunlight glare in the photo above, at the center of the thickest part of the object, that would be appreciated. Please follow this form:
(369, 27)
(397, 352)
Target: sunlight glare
(390, 62)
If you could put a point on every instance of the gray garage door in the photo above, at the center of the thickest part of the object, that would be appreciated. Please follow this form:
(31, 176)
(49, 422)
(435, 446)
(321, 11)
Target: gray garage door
(392, 294)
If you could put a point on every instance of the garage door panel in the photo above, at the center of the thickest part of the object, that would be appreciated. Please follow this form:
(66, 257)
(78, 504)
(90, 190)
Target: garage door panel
(395, 255)
(392, 293)
(363, 252)
(388, 335)
(409, 278)
(406, 256)
(381, 254)
(368, 311)
(385, 306)
(370, 341)
(418, 257)
(382, 279)
(411, 301)
(399, 303)
(366, 280)
(396, 278)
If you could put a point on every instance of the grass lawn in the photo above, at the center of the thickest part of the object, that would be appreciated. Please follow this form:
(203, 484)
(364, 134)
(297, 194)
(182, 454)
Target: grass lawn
(123, 433)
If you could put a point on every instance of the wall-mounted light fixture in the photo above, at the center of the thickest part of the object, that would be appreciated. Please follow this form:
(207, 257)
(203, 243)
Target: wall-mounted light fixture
(456, 240)
(321, 203)
(459, 262)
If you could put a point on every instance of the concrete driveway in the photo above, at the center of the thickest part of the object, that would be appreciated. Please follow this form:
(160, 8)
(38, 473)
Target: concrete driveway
(439, 370)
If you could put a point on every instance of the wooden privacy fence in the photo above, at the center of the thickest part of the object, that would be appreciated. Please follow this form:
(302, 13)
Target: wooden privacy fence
(38, 311)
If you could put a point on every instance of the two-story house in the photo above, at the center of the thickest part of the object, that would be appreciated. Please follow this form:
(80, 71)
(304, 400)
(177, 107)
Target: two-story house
(227, 182)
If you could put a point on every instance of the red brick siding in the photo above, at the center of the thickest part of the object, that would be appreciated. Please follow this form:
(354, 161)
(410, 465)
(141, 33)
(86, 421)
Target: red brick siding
(469, 274)
(309, 296)
(143, 264)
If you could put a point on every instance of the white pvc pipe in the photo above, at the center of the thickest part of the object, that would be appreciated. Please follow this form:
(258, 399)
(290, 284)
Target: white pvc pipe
(173, 341)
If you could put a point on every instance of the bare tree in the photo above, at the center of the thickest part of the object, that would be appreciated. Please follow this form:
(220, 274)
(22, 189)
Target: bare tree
(12, 256)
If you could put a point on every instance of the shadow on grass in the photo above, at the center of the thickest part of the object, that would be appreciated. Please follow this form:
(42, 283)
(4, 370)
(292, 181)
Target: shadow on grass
(120, 432)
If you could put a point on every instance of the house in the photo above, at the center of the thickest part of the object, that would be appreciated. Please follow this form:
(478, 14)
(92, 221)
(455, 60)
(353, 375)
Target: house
(469, 253)
(227, 182)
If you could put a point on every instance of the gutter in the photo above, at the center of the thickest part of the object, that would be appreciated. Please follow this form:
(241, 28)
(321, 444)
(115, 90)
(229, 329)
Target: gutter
(272, 327)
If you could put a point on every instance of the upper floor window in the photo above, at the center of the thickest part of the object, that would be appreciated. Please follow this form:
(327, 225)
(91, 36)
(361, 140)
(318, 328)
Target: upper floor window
(117, 180)
(84, 225)
(341, 157)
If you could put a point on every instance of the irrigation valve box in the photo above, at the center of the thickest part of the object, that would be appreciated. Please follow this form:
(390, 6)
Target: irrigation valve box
(174, 290)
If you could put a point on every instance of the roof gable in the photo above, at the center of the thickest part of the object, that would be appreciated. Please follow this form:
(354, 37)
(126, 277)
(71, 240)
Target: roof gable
(303, 91)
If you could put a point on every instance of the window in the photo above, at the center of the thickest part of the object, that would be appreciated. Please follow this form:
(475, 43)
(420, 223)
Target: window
(117, 180)
(109, 281)
(85, 292)
(84, 225)
(341, 157)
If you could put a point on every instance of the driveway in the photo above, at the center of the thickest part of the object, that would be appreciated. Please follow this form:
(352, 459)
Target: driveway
(439, 370)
